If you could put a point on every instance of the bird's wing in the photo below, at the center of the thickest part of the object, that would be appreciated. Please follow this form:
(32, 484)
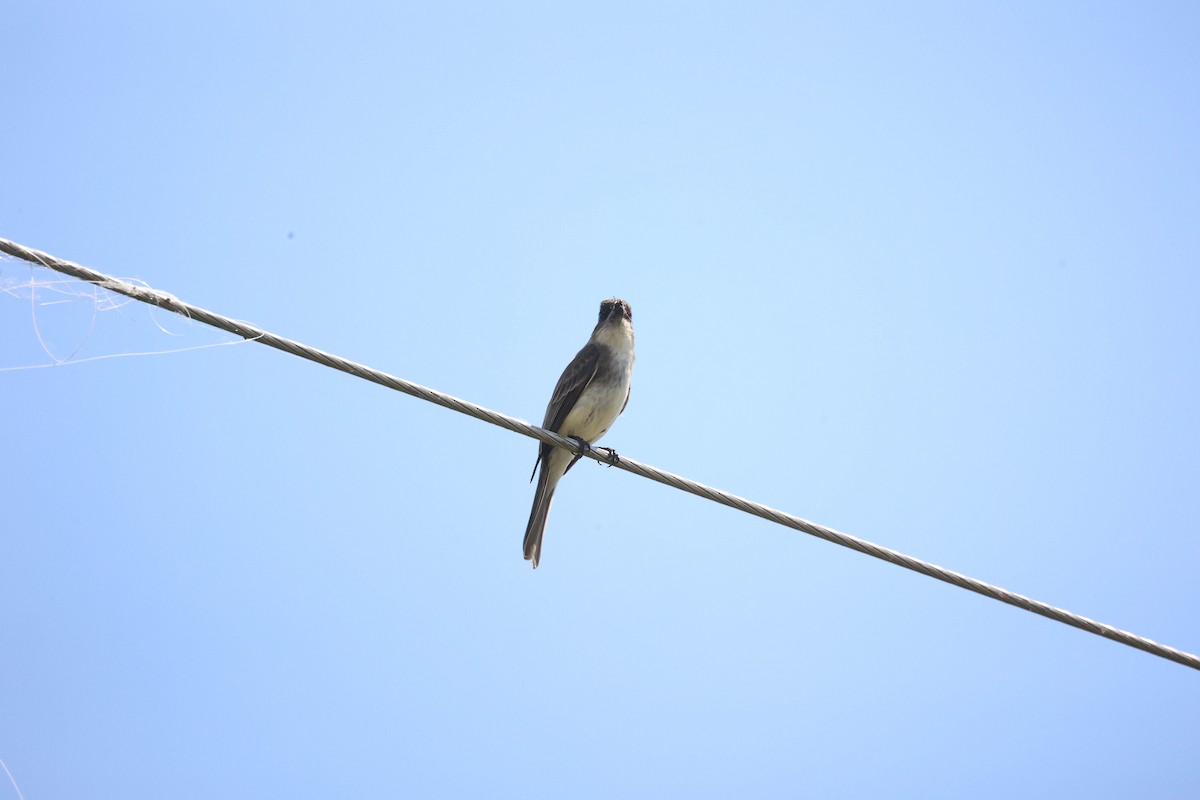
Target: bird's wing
(570, 386)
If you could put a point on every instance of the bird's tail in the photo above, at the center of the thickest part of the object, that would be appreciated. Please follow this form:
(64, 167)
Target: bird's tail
(537, 516)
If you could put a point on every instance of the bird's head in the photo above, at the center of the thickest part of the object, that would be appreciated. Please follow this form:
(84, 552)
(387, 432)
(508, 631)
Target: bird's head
(614, 306)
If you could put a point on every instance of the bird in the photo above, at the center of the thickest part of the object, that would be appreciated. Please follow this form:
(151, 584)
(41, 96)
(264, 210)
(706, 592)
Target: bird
(588, 398)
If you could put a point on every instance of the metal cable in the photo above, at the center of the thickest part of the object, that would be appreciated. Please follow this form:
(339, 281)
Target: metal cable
(246, 331)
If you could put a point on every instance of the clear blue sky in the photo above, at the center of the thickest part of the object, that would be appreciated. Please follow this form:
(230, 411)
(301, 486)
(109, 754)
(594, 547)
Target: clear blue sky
(926, 273)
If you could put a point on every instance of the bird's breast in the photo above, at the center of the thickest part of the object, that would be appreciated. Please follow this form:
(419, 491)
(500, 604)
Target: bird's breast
(601, 402)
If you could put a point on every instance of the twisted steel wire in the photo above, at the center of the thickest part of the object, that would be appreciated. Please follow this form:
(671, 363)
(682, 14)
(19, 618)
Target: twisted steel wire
(246, 331)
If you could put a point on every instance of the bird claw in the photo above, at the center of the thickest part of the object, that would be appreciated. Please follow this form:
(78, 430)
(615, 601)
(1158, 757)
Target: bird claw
(611, 458)
(584, 447)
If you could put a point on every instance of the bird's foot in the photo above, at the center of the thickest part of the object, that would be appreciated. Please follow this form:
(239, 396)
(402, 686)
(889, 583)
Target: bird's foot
(612, 459)
(584, 447)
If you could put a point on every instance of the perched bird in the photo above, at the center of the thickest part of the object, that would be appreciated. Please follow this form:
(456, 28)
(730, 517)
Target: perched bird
(590, 395)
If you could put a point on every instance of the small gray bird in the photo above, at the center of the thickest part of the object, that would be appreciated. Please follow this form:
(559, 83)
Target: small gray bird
(590, 395)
